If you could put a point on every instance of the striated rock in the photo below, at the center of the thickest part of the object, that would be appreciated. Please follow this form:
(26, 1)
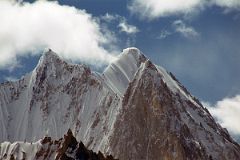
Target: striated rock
(134, 110)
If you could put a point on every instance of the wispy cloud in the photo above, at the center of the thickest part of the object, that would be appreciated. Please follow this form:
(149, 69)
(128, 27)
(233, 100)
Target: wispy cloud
(183, 29)
(123, 25)
(71, 32)
(109, 17)
(151, 9)
(127, 28)
(164, 34)
(230, 4)
(227, 113)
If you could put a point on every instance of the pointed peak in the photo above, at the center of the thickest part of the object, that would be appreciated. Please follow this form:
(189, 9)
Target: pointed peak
(121, 71)
(49, 57)
(135, 53)
(49, 54)
(69, 132)
(131, 50)
(130, 57)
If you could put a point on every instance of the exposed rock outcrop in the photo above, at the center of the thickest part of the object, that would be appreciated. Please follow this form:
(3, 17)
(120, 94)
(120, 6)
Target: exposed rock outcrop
(134, 110)
(66, 148)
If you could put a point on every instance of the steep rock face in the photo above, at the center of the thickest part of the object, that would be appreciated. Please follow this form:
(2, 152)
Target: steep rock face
(57, 96)
(155, 123)
(134, 110)
(66, 148)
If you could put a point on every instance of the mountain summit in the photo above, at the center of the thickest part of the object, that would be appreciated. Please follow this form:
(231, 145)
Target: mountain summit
(134, 110)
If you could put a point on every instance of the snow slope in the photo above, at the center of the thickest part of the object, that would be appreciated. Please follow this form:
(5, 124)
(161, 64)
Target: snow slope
(133, 103)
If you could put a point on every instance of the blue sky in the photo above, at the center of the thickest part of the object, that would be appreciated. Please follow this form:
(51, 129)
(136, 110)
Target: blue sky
(198, 41)
(207, 64)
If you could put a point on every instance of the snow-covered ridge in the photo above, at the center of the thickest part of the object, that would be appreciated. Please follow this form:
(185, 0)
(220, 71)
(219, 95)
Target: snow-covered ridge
(49, 85)
(129, 100)
(117, 74)
(122, 71)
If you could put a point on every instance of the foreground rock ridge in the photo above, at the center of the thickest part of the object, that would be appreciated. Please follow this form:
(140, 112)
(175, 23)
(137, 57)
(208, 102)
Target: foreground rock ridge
(134, 110)
(66, 148)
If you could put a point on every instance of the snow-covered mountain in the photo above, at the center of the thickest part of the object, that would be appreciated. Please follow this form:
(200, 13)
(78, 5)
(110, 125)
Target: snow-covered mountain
(134, 110)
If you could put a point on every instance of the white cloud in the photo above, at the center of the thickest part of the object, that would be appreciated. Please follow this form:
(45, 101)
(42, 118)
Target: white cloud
(227, 112)
(122, 23)
(234, 4)
(127, 28)
(152, 9)
(30, 27)
(160, 8)
(186, 31)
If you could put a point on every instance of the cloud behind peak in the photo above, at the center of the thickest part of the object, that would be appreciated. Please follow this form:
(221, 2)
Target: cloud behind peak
(72, 33)
(227, 113)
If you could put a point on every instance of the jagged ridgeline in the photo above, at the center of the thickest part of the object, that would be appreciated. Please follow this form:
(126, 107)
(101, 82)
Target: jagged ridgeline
(134, 110)
(66, 148)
